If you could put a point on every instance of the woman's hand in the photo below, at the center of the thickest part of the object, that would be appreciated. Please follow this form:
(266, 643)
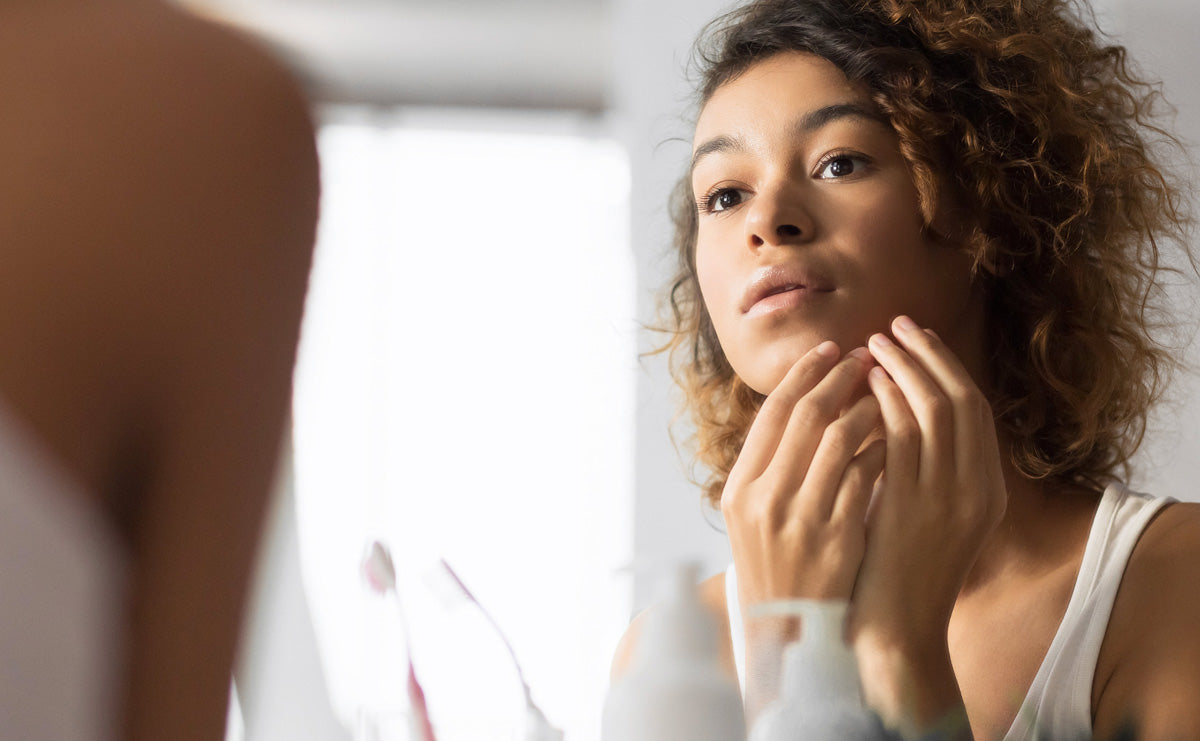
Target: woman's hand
(941, 494)
(796, 500)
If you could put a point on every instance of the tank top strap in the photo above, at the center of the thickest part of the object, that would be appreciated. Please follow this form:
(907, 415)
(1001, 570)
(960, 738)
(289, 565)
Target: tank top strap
(1059, 701)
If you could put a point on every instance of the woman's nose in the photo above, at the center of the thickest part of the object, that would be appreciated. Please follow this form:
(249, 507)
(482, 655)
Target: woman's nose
(777, 217)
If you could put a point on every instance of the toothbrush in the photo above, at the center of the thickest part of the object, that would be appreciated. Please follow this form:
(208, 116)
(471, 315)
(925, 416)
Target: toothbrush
(541, 729)
(380, 574)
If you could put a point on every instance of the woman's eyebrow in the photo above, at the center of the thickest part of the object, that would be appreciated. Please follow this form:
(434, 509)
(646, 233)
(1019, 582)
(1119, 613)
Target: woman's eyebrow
(814, 120)
(717, 144)
(805, 125)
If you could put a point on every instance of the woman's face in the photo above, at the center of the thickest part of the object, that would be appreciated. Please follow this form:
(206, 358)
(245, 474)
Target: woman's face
(809, 224)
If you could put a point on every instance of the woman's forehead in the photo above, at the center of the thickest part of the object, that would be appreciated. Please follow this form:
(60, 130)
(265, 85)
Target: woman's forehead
(786, 89)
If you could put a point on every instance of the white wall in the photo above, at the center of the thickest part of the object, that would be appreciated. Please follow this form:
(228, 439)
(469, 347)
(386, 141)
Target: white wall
(651, 107)
(1161, 36)
(517, 53)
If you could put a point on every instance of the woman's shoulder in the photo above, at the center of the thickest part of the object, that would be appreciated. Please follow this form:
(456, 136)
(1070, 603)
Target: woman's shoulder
(152, 41)
(1168, 552)
(157, 210)
(1151, 658)
(135, 89)
(114, 29)
(1171, 529)
(130, 125)
(1165, 564)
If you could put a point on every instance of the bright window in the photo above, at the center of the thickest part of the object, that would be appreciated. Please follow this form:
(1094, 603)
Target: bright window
(465, 391)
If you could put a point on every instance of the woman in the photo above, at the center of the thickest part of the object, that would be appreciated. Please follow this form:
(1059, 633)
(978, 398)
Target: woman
(917, 240)
(157, 211)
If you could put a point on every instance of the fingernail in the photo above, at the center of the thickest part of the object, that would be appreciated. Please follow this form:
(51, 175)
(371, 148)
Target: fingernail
(827, 349)
(860, 353)
(880, 340)
(879, 374)
(903, 322)
(933, 334)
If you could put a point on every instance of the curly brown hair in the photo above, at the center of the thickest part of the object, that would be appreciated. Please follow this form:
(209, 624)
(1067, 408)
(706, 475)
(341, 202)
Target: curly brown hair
(1045, 138)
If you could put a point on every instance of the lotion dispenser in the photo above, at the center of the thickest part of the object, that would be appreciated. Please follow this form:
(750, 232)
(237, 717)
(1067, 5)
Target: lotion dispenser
(675, 689)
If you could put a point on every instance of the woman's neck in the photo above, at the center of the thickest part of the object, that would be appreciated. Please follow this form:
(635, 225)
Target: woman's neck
(1045, 525)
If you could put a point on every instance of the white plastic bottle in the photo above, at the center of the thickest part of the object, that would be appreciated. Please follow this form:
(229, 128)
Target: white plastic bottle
(675, 689)
(819, 696)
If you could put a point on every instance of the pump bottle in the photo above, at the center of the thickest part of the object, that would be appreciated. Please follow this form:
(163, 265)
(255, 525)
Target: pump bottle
(675, 689)
(819, 697)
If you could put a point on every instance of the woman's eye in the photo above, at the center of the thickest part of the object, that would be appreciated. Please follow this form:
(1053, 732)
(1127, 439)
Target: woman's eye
(841, 166)
(723, 199)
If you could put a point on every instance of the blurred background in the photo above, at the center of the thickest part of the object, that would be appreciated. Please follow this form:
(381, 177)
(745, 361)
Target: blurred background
(471, 385)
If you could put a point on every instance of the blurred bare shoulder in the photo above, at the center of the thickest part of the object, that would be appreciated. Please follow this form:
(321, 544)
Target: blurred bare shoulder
(158, 200)
(137, 103)
(158, 203)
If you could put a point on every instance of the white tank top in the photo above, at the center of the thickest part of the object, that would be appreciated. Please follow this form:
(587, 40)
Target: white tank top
(1059, 702)
(62, 582)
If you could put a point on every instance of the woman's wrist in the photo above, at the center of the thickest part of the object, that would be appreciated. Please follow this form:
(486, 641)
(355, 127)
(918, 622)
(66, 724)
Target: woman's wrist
(911, 686)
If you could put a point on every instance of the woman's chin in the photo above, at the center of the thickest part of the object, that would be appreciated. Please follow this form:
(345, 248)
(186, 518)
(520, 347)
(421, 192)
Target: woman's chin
(767, 378)
(770, 370)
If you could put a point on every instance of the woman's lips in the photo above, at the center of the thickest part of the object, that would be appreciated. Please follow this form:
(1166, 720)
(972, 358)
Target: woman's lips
(782, 287)
(786, 298)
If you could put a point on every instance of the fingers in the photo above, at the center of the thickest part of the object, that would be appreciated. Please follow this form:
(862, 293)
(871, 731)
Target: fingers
(964, 402)
(931, 353)
(901, 430)
(822, 489)
(810, 396)
(976, 444)
(858, 482)
(816, 411)
(923, 398)
(779, 520)
(772, 419)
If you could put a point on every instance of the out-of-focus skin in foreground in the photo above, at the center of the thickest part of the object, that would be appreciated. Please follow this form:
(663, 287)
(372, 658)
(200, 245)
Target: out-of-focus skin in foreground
(158, 201)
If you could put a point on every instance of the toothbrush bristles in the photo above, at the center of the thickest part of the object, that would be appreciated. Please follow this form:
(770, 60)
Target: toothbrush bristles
(378, 569)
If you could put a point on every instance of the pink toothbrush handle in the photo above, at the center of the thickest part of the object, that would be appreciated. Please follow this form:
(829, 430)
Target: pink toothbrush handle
(416, 697)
